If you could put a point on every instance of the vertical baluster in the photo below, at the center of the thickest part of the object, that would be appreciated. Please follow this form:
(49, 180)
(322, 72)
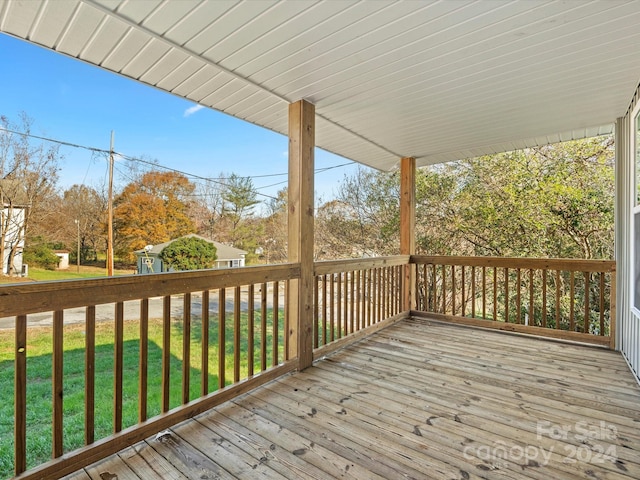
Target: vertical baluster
(544, 298)
(316, 311)
(275, 326)
(332, 308)
(367, 298)
(473, 292)
(324, 309)
(506, 295)
(166, 352)
(519, 297)
(532, 320)
(90, 375)
(143, 356)
(484, 292)
(462, 291)
(263, 328)
(453, 289)
(236, 334)
(286, 328)
(20, 396)
(361, 306)
(251, 318)
(601, 303)
(434, 292)
(204, 368)
(352, 304)
(346, 303)
(558, 299)
(186, 347)
(572, 295)
(56, 384)
(339, 304)
(495, 293)
(444, 289)
(425, 282)
(587, 316)
(222, 333)
(118, 367)
(358, 300)
(380, 295)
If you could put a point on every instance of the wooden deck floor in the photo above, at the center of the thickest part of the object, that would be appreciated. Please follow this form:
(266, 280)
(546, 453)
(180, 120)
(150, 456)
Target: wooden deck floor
(420, 399)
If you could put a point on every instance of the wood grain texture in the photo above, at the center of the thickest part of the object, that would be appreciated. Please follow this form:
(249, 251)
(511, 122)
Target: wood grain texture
(419, 399)
(21, 299)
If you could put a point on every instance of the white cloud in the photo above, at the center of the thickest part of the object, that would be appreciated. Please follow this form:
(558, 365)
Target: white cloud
(191, 110)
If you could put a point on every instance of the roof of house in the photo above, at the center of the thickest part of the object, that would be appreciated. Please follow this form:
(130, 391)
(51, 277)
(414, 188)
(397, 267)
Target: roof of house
(437, 81)
(223, 252)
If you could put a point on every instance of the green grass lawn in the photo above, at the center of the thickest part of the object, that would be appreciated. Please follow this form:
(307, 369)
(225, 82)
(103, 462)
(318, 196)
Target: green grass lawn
(39, 379)
(43, 275)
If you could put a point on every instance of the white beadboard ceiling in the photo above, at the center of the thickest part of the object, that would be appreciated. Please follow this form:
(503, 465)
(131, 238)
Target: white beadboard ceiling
(434, 80)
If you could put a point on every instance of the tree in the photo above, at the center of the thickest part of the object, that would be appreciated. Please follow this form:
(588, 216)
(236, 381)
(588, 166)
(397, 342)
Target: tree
(275, 234)
(552, 201)
(28, 173)
(86, 206)
(363, 219)
(240, 198)
(207, 211)
(151, 210)
(189, 253)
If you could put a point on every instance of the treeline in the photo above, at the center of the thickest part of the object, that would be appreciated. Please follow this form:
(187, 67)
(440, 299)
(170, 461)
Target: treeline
(554, 201)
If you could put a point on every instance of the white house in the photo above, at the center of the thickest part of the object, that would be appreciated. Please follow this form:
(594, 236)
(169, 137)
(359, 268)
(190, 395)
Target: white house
(148, 259)
(12, 234)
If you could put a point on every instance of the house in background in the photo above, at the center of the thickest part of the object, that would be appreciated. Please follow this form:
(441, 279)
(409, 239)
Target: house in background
(63, 257)
(12, 235)
(148, 260)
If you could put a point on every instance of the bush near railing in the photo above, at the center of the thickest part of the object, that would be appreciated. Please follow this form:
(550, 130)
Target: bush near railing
(561, 294)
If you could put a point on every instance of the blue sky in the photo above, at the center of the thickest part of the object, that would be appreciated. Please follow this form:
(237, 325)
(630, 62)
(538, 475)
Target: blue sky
(75, 102)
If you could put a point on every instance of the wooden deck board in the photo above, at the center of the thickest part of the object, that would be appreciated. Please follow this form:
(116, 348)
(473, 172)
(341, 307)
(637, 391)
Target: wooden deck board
(420, 399)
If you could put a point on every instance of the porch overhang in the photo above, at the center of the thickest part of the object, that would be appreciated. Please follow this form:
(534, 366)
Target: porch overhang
(434, 81)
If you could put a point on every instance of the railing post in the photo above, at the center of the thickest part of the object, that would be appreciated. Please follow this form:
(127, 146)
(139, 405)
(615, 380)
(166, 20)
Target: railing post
(301, 234)
(612, 309)
(408, 228)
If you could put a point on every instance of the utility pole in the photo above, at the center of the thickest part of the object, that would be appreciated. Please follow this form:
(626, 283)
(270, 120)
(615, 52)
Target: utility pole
(78, 252)
(110, 214)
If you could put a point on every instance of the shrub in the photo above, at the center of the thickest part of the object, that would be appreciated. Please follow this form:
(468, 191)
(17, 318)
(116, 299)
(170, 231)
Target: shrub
(40, 255)
(189, 253)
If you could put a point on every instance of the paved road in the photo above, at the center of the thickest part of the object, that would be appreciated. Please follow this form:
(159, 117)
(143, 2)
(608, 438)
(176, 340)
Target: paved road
(105, 313)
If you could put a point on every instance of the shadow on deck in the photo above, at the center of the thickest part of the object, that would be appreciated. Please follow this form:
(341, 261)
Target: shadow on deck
(420, 399)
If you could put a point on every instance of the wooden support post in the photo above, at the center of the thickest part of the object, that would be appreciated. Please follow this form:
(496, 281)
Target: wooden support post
(301, 235)
(408, 227)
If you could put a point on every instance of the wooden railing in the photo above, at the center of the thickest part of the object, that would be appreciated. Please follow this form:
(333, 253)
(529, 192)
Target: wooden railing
(192, 340)
(157, 349)
(562, 298)
(354, 295)
(179, 336)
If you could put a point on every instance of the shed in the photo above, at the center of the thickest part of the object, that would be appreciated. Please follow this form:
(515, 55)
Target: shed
(149, 261)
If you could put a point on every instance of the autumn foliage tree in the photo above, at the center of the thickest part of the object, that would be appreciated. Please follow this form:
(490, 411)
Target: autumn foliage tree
(151, 210)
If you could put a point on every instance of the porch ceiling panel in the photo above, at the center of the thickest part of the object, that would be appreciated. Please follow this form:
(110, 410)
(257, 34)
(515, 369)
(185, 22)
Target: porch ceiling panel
(436, 80)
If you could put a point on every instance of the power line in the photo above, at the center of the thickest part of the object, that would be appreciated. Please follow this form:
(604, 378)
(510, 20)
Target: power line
(157, 165)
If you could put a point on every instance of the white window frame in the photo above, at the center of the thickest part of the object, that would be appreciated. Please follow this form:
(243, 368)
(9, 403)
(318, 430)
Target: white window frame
(635, 205)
